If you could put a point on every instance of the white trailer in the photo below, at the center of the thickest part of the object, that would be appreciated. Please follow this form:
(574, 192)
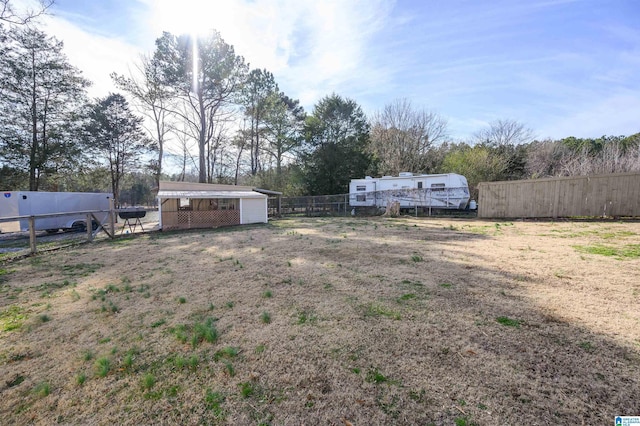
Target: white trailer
(438, 191)
(33, 203)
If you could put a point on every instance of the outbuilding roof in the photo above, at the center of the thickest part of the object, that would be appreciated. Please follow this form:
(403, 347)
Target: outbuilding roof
(209, 194)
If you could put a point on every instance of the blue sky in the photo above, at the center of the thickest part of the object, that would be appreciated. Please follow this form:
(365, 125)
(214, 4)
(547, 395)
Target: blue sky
(562, 67)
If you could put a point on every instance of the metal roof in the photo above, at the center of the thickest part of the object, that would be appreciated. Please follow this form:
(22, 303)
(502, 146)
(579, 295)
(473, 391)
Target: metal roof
(209, 194)
(267, 191)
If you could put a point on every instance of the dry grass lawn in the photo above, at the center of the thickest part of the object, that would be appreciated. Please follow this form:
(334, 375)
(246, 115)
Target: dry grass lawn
(331, 321)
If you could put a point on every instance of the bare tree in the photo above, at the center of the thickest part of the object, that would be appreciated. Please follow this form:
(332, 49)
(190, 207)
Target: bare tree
(151, 99)
(401, 136)
(186, 145)
(204, 75)
(10, 15)
(505, 132)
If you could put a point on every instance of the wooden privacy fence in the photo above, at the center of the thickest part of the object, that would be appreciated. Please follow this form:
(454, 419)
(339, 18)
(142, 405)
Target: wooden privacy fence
(611, 195)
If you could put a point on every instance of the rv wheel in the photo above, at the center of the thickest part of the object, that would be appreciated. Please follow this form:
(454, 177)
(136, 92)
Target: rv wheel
(78, 227)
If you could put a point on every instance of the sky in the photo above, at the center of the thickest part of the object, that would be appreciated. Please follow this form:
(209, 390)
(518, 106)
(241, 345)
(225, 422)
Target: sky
(561, 67)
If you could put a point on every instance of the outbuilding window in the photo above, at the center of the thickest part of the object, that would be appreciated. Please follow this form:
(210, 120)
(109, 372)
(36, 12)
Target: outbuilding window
(184, 204)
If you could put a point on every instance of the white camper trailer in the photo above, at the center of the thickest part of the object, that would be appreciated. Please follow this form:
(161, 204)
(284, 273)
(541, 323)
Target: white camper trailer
(32, 203)
(438, 191)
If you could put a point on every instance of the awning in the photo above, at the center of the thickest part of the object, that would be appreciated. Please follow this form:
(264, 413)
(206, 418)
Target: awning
(209, 194)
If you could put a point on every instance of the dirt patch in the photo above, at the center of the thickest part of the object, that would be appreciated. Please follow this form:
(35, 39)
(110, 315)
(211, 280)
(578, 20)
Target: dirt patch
(328, 321)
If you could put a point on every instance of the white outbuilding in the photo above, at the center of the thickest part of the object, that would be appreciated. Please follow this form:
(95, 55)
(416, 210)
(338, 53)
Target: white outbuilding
(185, 205)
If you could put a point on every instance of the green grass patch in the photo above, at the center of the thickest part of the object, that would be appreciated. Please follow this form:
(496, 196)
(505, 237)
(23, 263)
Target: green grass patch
(12, 318)
(265, 317)
(158, 323)
(375, 376)
(509, 322)
(406, 297)
(377, 310)
(80, 269)
(200, 332)
(630, 251)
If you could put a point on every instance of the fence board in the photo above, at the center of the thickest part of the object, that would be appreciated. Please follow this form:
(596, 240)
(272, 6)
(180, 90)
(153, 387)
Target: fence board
(595, 196)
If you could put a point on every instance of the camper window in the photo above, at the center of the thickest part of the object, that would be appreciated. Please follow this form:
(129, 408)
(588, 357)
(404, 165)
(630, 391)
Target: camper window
(437, 186)
(361, 188)
(419, 185)
(361, 198)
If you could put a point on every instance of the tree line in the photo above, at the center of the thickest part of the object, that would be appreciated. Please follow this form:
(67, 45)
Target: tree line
(193, 109)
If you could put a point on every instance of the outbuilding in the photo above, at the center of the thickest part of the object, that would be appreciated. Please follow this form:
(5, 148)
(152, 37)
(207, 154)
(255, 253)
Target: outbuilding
(186, 205)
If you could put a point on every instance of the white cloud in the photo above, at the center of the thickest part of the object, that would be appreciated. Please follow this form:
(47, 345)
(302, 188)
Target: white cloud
(312, 48)
(95, 55)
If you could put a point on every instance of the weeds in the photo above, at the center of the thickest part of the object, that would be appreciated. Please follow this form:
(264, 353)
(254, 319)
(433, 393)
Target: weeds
(267, 294)
(103, 366)
(246, 389)
(148, 381)
(228, 368)
(213, 401)
(375, 376)
(228, 352)
(43, 389)
(193, 362)
(158, 323)
(306, 316)
(204, 332)
(81, 378)
(406, 297)
(265, 317)
(587, 346)
(127, 361)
